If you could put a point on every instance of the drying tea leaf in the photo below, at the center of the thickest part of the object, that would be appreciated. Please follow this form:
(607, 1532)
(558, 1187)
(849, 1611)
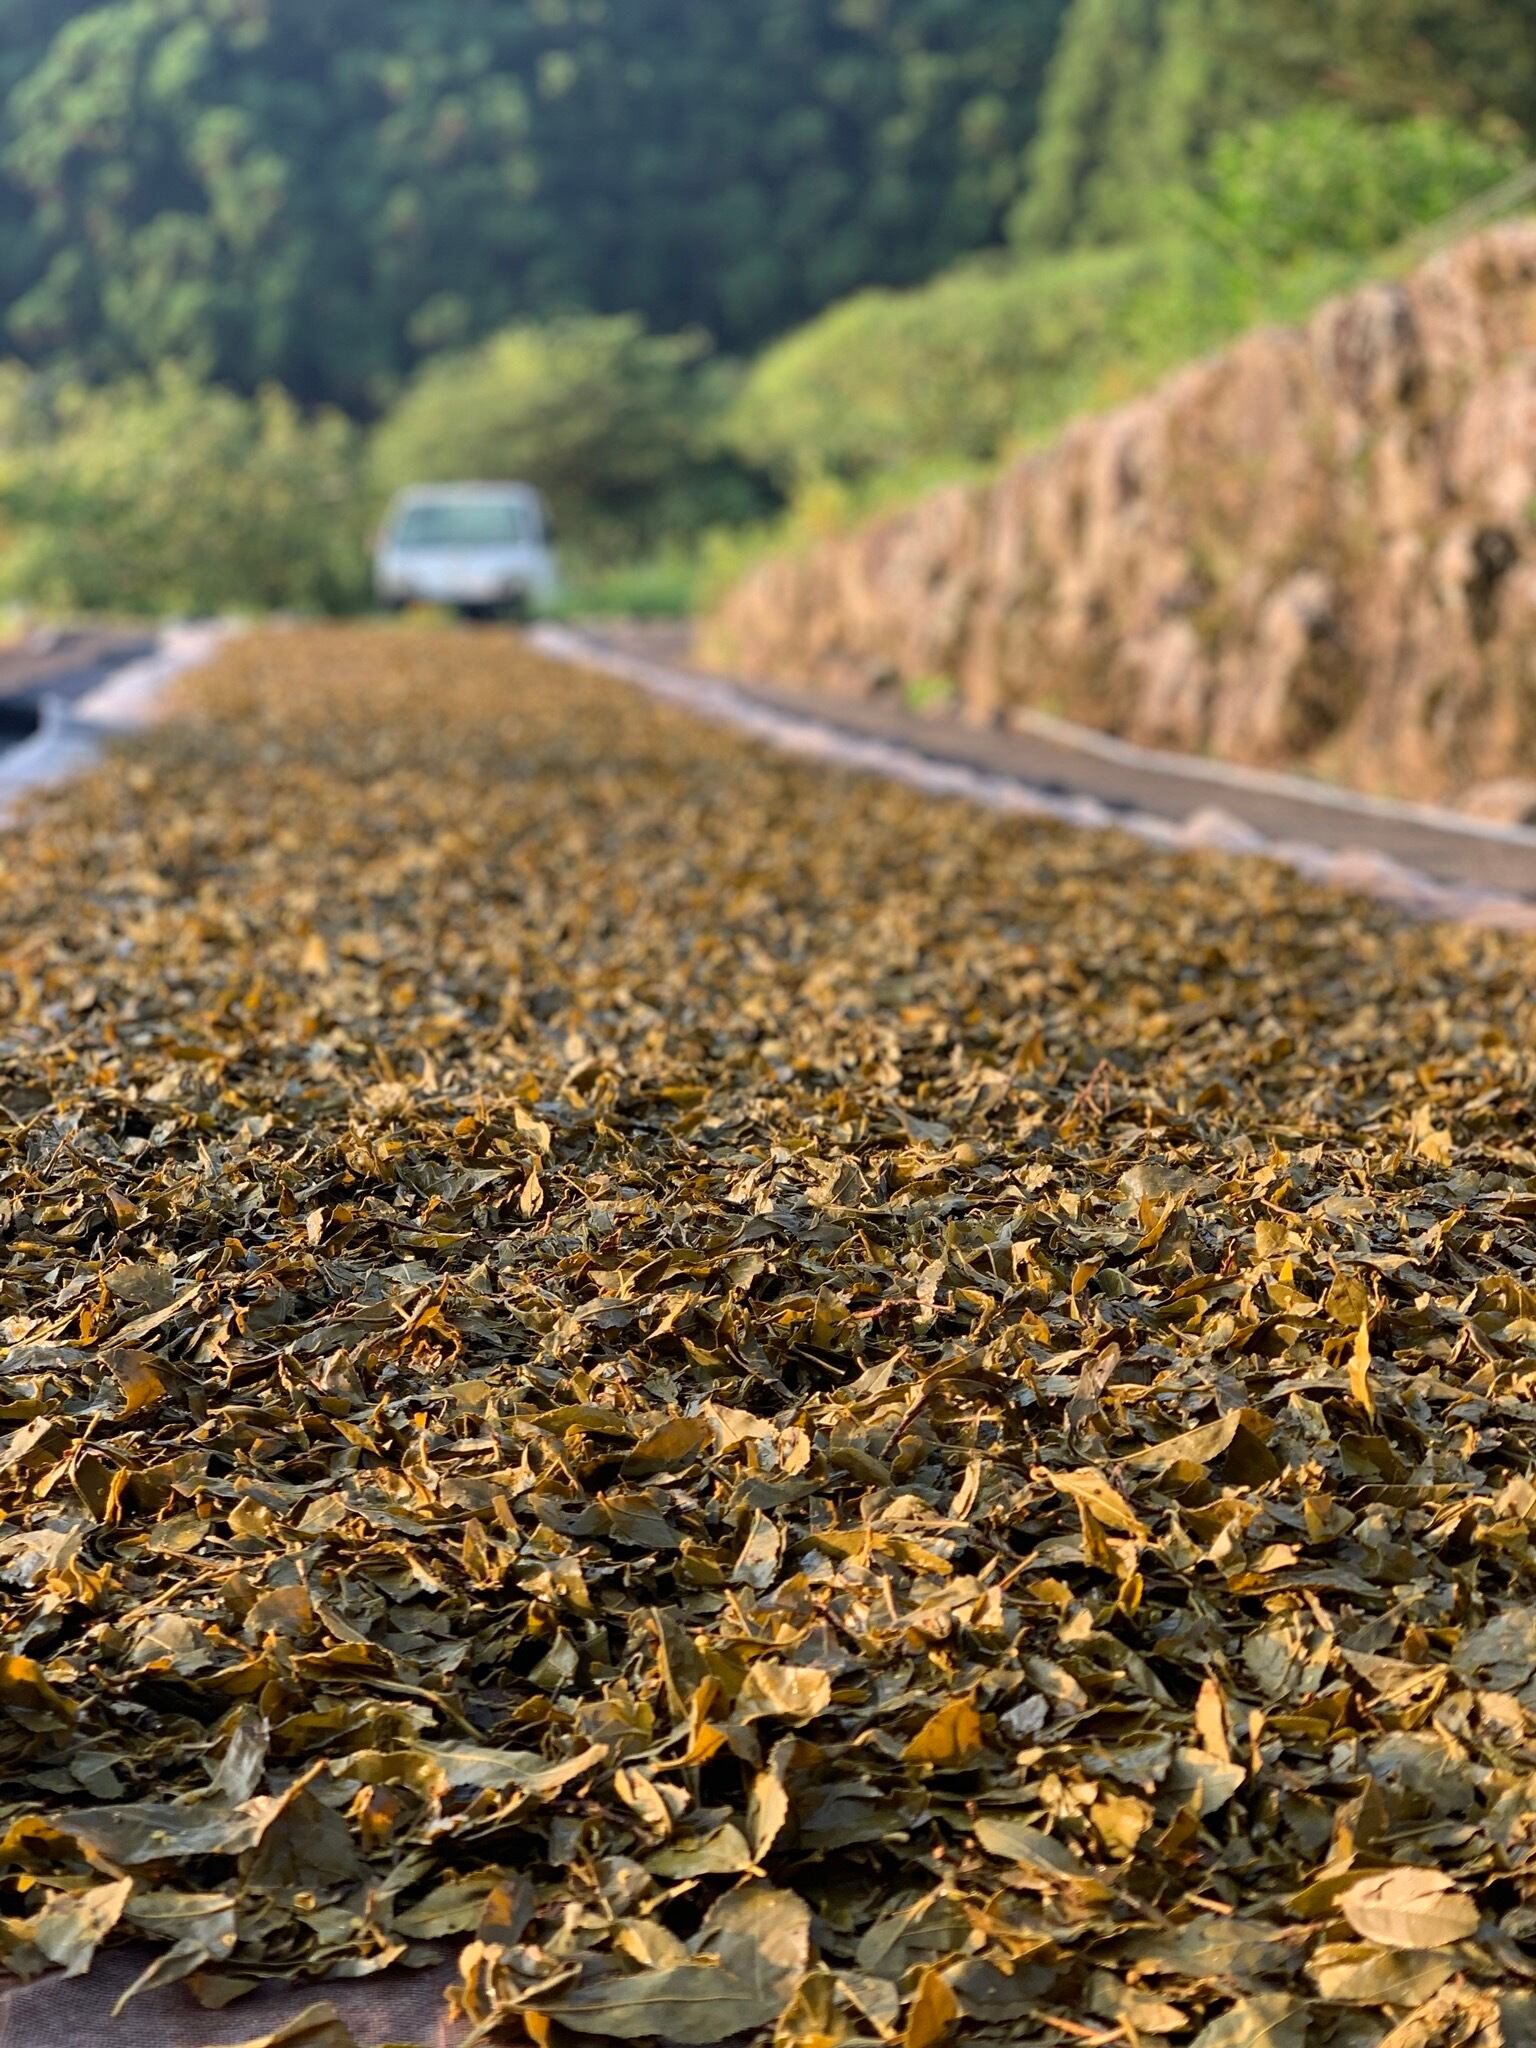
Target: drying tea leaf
(1002, 1835)
(1407, 1908)
(950, 1739)
(1360, 1369)
(789, 1691)
(768, 1806)
(71, 1929)
(140, 1383)
(1361, 1974)
(718, 1854)
(690, 2003)
(758, 1561)
(1271, 2020)
(932, 2015)
(760, 1942)
(319, 2026)
(768, 1407)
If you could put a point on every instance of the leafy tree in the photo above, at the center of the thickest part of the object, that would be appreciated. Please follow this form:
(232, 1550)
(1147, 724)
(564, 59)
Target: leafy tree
(619, 429)
(264, 188)
(325, 194)
(160, 495)
(1280, 213)
(923, 380)
(1324, 181)
(1138, 90)
(1472, 59)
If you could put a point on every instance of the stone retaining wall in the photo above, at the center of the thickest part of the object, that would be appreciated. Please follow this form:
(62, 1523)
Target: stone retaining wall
(1313, 550)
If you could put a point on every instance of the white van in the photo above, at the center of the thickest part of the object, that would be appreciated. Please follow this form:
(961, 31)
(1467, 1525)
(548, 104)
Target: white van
(484, 549)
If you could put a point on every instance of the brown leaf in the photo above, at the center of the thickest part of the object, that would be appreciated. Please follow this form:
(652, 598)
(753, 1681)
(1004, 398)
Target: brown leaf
(789, 1692)
(72, 1928)
(933, 2014)
(318, 2026)
(737, 1319)
(1408, 1908)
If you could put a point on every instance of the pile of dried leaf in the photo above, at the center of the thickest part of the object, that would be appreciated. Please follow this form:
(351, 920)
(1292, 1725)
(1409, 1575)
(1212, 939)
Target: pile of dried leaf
(774, 1407)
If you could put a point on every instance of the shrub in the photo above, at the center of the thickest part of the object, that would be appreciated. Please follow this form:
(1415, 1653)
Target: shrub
(163, 495)
(1323, 180)
(950, 373)
(618, 428)
(992, 355)
(660, 586)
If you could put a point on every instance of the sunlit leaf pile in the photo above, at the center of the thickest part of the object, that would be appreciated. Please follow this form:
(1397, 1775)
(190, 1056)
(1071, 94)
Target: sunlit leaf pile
(762, 1406)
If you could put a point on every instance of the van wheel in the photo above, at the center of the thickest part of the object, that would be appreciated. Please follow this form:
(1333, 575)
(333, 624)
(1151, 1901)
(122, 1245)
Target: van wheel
(516, 611)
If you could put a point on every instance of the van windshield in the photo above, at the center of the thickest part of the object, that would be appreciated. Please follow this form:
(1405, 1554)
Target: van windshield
(469, 523)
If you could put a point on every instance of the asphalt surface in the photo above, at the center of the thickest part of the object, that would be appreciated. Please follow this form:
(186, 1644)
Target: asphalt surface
(1061, 760)
(64, 665)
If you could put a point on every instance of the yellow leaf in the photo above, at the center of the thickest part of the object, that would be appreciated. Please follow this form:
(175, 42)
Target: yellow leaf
(793, 1692)
(1097, 1497)
(1430, 1142)
(1360, 1369)
(1211, 1721)
(950, 1739)
(933, 2015)
(767, 1811)
(139, 1384)
(23, 1685)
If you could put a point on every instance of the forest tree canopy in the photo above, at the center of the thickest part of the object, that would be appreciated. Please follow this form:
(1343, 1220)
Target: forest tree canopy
(266, 189)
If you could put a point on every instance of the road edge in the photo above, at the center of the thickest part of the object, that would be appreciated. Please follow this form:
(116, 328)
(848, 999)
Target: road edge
(72, 736)
(811, 731)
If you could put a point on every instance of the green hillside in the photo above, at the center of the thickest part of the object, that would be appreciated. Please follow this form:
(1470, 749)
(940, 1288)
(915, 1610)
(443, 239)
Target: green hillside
(1141, 90)
(322, 195)
(708, 274)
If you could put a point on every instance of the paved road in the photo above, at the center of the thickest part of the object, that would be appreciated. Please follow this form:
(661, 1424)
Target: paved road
(1060, 760)
(66, 665)
(1049, 757)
